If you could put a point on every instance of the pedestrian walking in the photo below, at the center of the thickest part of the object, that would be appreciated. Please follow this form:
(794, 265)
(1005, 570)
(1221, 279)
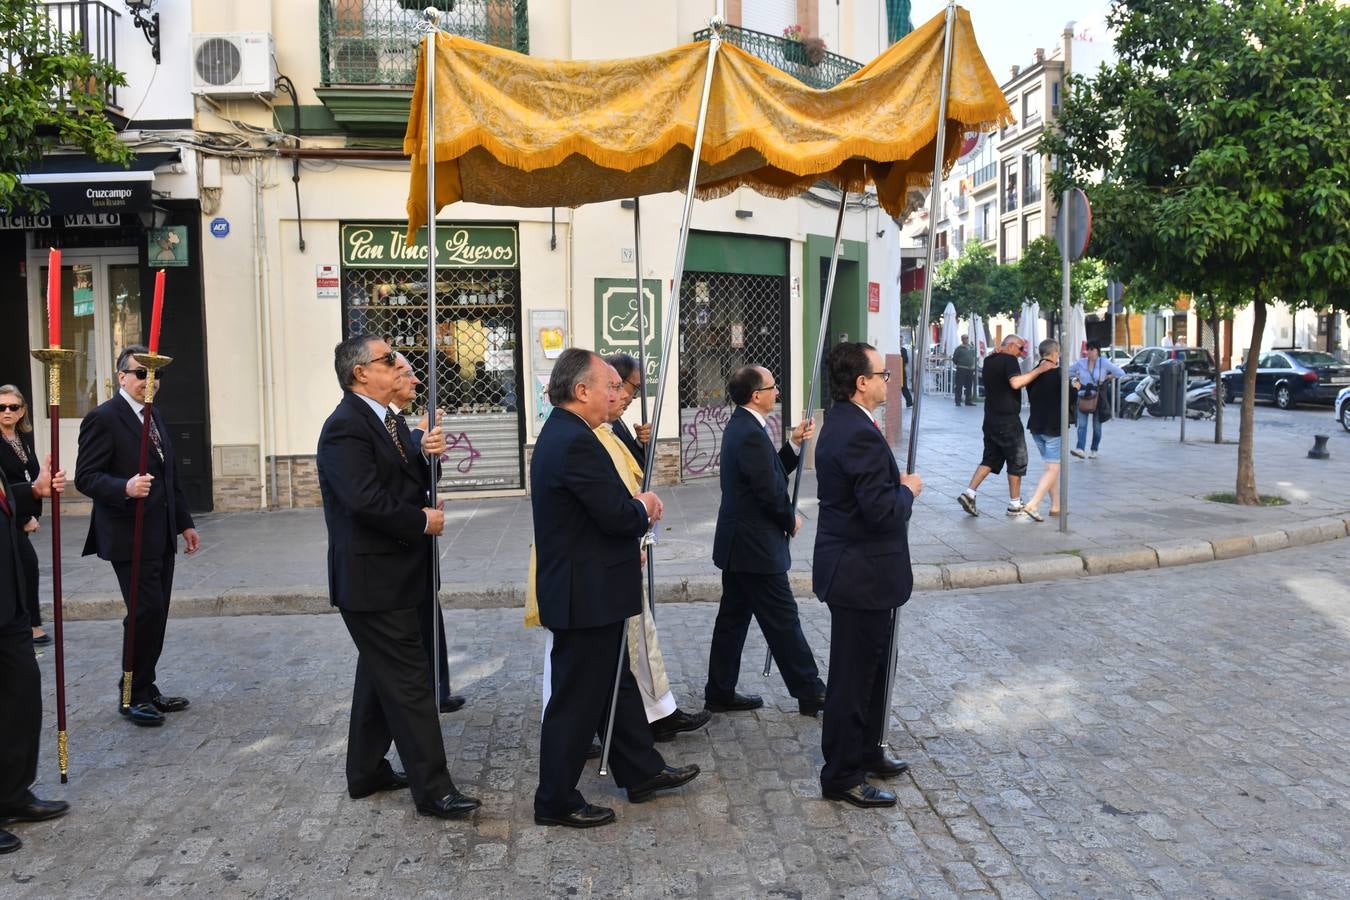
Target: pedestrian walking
(861, 570)
(755, 522)
(1004, 441)
(1088, 376)
(374, 488)
(107, 470)
(18, 467)
(1043, 423)
(963, 357)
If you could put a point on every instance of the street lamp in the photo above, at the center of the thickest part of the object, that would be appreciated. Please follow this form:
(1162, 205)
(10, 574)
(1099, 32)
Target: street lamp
(147, 22)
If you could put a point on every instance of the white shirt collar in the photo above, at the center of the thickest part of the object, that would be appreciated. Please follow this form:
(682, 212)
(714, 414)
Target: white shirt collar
(378, 408)
(758, 418)
(867, 412)
(135, 407)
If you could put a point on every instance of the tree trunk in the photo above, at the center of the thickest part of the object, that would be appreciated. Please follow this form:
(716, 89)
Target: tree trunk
(1218, 382)
(1246, 469)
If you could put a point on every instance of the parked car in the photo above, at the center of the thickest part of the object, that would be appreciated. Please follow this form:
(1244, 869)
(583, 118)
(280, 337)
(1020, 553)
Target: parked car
(1288, 377)
(1198, 361)
(1118, 355)
(1343, 407)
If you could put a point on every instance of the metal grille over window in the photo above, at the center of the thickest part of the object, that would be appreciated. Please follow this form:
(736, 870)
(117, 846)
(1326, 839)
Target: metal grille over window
(477, 357)
(726, 321)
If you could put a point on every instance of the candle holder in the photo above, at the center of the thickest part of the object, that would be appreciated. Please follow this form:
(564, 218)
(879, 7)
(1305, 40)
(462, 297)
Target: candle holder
(152, 362)
(54, 358)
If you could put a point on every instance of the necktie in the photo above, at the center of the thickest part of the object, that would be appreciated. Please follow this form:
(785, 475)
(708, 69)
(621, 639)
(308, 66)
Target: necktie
(4, 501)
(391, 426)
(154, 439)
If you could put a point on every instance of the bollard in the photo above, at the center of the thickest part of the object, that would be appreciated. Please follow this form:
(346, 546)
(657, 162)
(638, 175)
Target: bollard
(1319, 449)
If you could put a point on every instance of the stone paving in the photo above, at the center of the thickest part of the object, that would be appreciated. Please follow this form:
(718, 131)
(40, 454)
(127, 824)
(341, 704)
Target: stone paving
(1176, 733)
(1146, 487)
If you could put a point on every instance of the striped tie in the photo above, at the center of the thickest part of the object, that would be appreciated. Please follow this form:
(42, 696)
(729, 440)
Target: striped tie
(391, 426)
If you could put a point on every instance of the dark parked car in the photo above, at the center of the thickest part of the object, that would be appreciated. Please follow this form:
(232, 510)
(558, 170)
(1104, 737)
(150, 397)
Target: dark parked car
(1287, 377)
(1198, 361)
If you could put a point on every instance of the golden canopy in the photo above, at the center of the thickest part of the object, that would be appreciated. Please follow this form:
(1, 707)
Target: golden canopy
(514, 130)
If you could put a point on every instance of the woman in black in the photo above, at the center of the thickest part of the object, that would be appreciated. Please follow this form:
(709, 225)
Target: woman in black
(20, 468)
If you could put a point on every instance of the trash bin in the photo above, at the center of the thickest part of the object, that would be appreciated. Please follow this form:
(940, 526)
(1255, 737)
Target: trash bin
(1171, 376)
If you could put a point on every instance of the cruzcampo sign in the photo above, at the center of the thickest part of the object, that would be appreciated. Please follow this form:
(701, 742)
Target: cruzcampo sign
(616, 321)
(376, 246)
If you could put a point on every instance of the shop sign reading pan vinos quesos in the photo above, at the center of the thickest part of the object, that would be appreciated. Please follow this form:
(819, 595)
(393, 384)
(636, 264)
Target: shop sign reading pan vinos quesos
(371, 246)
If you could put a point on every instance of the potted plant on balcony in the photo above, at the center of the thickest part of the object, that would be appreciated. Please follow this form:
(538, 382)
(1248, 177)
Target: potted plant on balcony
(800, 49)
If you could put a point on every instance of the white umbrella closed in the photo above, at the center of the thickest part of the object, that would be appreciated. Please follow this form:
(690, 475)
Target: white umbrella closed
(1075, 333)
(951, 332)
(979, 338)
(1030, 330)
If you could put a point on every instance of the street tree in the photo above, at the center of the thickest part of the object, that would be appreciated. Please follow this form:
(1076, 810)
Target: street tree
(51, 93)
(1216, 155)
(964, 280)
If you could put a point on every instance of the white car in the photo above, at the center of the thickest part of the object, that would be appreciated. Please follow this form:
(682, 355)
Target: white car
(1342, 408)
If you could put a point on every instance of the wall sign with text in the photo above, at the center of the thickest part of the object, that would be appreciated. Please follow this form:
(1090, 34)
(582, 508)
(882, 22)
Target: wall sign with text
(384, 246)
(616, 321)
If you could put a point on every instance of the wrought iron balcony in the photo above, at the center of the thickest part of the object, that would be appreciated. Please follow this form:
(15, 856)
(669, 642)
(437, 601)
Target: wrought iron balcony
(95, 24)
(790, 56)
(375, 42)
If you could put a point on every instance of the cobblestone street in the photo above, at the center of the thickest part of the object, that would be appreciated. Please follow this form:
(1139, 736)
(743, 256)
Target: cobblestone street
(1174, 733)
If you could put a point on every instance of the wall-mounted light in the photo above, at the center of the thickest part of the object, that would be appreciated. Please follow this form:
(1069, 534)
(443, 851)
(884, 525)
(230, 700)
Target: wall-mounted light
(147, 22)
(153, 218)
(744, 213)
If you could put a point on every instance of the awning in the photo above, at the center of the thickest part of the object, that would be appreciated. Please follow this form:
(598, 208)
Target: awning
(76, 184)
(521, 131)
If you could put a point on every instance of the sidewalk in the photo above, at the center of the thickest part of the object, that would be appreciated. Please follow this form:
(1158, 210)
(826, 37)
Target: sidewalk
(1139, 505)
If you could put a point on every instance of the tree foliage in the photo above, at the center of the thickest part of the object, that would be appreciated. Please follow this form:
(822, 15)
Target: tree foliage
(51, 92)
(1216, 154)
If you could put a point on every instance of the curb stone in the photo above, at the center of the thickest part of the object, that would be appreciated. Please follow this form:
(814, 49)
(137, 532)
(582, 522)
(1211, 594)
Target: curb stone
(312, 599)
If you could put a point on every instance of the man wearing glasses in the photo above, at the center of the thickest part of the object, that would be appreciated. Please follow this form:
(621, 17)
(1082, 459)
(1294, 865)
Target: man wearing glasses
(755, 521)
(636, 439)
(107, 470)
(1004, 438)
(861, 570)
(374, 485)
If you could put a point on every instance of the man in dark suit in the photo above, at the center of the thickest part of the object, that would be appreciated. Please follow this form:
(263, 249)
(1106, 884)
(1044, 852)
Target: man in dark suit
(20, 681)
(430, 610)
(106, 471)
(754, 523)
(374, 486)
(636, 438)
(861, 570)
(587, 527)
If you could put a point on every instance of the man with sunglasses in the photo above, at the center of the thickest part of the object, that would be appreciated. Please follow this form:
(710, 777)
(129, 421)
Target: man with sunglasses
(755, 522)
(107, 471)
(1004, 437)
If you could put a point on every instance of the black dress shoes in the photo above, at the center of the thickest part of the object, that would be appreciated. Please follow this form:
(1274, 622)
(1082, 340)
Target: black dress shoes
(811, 706)
(887, 766)
(452, 703)
(39, 640)
(667, 778)
(9, 842)
(451, 805)
(170, 704)
(736, 703)
(34, 810)
(143, 714)
(863, 795)
(587, 817)
(389, 781)
(678, 721)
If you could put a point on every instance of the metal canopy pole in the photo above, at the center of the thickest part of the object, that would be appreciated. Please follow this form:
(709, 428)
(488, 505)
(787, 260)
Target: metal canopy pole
(715, 24)
(815, 370)
(648, 608)
(433, 18)
(934, 196)
(1065, 216)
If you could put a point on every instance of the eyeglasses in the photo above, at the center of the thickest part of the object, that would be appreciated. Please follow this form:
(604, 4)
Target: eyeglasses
(885, 375)
(389, 359)
(770, 387)
(11, 407)
(633, 388)
(139, 373)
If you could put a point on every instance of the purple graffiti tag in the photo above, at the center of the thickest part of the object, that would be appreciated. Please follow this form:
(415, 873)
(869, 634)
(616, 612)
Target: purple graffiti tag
(703, 449)
(461, 443)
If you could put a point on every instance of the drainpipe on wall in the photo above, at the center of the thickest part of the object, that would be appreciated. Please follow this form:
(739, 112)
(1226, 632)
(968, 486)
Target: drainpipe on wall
(267, 463)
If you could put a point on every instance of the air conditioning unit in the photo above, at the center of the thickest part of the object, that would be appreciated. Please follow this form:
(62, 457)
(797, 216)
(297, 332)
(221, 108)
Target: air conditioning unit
(234, 64)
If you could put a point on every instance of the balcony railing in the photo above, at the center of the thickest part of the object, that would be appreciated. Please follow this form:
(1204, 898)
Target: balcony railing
(376, 42)
(95, 24)
(790, 56)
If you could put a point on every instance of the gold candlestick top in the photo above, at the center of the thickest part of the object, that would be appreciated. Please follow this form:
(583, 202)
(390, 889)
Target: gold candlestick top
(152, 361)
(54, 356)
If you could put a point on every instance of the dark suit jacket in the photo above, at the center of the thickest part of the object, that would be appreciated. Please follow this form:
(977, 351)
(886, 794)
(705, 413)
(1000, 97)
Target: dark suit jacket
(379, 556)
(11, 580)
(19, 477)
(630, 441)
(586, 526)
(862, 538)
(755, 517)
(110, 449)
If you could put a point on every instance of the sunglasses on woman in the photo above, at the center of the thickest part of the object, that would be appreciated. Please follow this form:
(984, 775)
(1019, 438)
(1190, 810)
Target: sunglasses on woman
(11, 407)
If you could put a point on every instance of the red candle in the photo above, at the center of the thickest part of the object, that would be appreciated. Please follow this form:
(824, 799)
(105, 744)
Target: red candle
(158, 312)
(54, 297)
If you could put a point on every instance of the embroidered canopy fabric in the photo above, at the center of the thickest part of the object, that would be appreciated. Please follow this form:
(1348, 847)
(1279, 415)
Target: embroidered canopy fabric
(518, 131)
